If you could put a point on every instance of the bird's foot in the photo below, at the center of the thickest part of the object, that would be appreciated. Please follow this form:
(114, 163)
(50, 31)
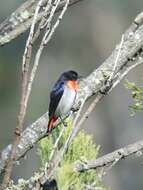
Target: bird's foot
(63, 122)
(74, 109)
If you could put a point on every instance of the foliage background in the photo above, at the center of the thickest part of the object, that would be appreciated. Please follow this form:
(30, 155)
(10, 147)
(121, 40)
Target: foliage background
(85, 38)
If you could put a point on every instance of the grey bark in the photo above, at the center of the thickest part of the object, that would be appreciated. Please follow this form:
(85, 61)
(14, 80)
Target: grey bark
(110, 158)
(20, 20)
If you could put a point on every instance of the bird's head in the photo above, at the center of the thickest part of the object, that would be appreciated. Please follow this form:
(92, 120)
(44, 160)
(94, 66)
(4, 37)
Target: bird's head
(70, 76)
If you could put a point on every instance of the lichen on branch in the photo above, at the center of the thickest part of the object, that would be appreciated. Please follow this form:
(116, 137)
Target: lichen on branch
(83, 148)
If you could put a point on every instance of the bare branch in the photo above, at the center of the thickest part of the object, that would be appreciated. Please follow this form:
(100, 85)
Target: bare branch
(117, 58)
(20, 20)
(110, 158)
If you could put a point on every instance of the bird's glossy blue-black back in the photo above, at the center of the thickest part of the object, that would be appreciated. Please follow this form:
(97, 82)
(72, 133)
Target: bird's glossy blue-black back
(55, 96)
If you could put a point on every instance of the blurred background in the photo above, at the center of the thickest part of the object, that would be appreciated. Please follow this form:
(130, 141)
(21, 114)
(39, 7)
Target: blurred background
(85, 38)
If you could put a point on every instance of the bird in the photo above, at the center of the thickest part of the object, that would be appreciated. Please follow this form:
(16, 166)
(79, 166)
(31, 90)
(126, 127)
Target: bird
(62, 97)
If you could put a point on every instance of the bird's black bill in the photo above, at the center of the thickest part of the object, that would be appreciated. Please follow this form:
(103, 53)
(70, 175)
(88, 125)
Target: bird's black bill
(80, 77)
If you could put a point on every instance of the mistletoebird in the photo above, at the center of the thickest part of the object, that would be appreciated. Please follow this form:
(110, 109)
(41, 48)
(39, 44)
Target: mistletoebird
(62, 97)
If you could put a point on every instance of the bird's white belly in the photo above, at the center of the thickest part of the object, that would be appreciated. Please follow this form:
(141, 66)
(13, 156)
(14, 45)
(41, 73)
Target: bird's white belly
(66, 102)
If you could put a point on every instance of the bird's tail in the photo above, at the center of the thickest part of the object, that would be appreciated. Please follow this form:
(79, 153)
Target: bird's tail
(51, 123)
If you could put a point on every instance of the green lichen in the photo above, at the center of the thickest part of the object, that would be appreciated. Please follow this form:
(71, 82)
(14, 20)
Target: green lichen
(137, 95)
(25, 15)
(82, 147)
(23, 184)
(4, 38)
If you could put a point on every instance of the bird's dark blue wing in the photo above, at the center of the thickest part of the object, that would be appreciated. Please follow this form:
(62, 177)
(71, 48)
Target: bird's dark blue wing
(55, 97)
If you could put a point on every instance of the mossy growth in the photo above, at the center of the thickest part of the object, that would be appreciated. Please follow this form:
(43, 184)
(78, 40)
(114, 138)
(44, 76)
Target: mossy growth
(137, 95)
(82, 148)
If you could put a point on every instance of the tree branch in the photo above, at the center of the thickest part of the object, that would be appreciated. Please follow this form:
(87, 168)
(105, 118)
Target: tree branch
(29, 137)
(110, 158)
(20, 20)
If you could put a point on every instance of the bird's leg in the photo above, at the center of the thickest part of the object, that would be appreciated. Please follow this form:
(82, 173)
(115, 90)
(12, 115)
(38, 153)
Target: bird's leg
(63, 122)
(74, 109)
(69, 113)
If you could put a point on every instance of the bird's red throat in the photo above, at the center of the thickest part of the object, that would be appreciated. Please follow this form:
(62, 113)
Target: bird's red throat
(72, 84)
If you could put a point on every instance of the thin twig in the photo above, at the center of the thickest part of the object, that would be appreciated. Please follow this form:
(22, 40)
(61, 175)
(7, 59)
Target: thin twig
(30, 37)
(73, 130)
(43, 20)
(53, 10)
(56, 144)
(52, 154)
(117, 58)
(119, 78)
